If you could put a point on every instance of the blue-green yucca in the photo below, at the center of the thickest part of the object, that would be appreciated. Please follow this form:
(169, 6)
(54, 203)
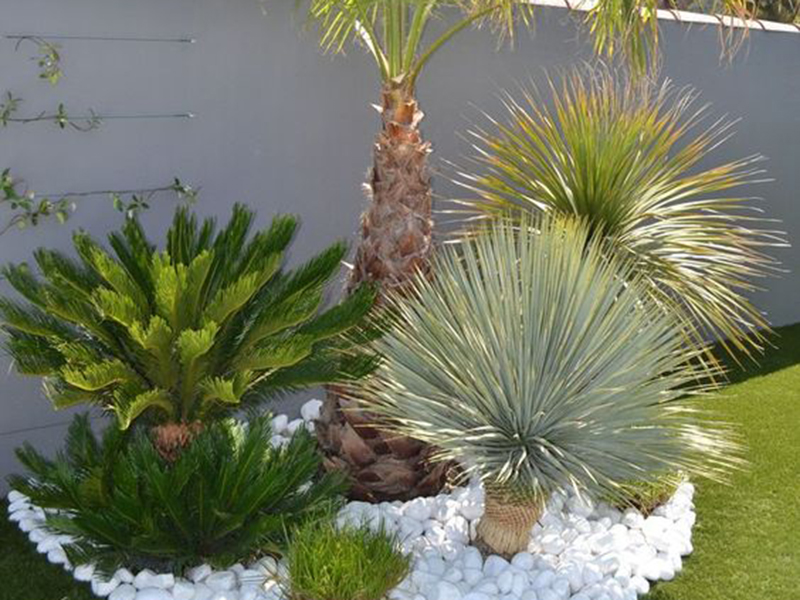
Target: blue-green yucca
(539, 363)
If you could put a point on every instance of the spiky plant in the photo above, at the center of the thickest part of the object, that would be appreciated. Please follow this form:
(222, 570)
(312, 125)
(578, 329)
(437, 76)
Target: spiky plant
(628, 157)
(226, 497)
(396, 227)
(326, 562)
(211, 324)
(539, 363)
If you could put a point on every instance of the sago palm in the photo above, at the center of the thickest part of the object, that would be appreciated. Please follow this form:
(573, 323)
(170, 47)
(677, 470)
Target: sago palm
(213, 323)
(627, 156)
(396, 227)
(539, 363)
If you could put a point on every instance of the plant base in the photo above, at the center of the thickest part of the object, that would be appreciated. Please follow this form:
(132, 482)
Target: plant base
(505, 527)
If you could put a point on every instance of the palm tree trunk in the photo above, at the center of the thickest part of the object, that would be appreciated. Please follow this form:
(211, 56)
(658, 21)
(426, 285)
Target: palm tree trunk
(396, 226)
(395, 244)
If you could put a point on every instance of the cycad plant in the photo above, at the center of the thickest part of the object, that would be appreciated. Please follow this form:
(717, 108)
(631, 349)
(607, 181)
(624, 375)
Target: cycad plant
(396, 228)
(227, 496)
(539, 363)
(628, 157)
(211, 324)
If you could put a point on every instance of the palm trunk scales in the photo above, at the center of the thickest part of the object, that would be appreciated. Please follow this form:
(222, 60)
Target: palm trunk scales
(395, 244)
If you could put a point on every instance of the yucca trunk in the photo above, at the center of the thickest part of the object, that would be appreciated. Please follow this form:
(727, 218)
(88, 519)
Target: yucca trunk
(505, 527)
(395, 244)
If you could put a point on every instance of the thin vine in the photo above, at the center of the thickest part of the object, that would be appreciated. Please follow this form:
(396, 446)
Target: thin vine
(27, 207)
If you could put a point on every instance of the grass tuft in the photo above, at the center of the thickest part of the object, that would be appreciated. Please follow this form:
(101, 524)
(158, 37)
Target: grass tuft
(351, 563)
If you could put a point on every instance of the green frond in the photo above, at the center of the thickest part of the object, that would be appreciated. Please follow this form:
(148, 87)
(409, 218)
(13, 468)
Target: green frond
(630, 27)
(233, 297)
(226, 391)
(538, 362)
(117, 307)
(194, 343)
(99, 376)
(169, 280)
(191, 297)
(33, 321)
(80, 352)
(275, 240)
(128, 408)
(80, 446)
(117, 277)
(135, 252)
(63, 396)
(631, 159)
(275, 318)
(61, 270)
(32, 354)
(277, 354)
(25, 283)
(187, 332)
(349, 313)
(156, 338)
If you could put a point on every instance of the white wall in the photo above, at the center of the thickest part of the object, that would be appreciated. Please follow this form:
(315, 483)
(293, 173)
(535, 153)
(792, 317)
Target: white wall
(285, 129)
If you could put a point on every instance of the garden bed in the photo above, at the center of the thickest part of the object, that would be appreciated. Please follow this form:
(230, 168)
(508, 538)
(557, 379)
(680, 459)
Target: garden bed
(577, 550)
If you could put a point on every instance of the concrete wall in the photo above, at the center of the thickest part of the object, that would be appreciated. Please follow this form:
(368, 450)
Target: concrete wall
(285, 129)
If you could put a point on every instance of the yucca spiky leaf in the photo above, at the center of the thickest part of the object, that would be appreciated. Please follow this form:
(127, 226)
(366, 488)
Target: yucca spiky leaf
(627, 157)
(538, 362)
(185, 334)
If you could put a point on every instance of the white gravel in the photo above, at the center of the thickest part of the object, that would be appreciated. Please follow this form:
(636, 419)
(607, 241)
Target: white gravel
(577, 550)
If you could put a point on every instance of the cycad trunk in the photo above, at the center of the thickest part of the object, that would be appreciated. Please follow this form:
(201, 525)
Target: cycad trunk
(395, 244)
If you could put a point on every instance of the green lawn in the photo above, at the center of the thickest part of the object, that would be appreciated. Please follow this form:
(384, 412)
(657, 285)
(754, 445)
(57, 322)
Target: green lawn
(747, 537)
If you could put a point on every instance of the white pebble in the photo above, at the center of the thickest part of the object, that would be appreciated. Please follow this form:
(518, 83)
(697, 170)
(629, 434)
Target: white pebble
(444, 590)
(310, 410)
(183, 590)
(523, 560)
(83, 572)
(124, 592)
(495, 565)
(197, 574)
(104, 588)
(221, 581)
(153, 594)
(124, 575)
(57, 556)
(504, 581)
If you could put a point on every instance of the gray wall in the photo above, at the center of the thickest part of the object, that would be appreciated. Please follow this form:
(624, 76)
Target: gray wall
(285, 129)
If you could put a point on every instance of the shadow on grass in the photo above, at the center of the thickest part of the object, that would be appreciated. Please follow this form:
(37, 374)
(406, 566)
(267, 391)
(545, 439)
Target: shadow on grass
(784, 352)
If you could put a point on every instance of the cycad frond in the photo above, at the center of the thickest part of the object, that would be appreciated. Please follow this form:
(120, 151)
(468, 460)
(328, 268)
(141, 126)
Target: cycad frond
(539, 363)
(626, 157)
(226, 494)
(182, 334)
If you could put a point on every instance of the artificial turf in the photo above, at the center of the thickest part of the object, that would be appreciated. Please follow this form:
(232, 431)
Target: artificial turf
(747, 536)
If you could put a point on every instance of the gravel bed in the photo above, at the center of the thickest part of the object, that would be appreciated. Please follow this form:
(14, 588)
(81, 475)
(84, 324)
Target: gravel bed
(578, 550)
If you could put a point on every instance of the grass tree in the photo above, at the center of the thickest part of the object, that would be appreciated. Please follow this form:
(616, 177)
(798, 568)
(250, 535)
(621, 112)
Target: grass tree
(538, 363)
(396, 227)
(630, 158)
